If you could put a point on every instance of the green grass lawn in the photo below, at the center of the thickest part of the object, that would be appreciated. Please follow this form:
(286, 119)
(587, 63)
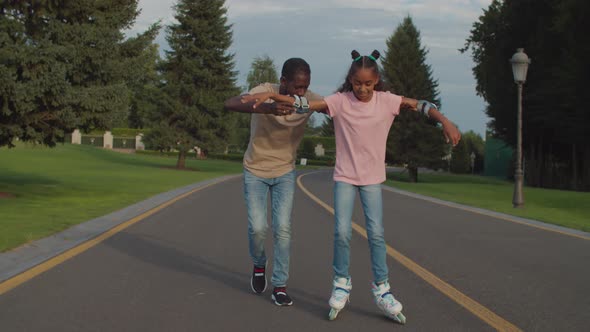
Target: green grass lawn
(565, 208)
(53, 189)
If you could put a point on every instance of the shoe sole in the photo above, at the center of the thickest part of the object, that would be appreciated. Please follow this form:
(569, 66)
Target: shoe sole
(252, 286)
(281, 304)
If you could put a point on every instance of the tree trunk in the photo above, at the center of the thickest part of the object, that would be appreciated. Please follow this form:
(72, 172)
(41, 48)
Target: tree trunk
(533, 165)
(586, 169)
(574, 168)
(541, 165)
(180, 164)
(413, 173)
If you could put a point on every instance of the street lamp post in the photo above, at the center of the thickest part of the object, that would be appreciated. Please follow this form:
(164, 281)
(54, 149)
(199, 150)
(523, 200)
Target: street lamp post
(520, 64)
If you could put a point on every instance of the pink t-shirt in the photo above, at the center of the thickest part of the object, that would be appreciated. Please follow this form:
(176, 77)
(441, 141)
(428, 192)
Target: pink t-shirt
(361, 131)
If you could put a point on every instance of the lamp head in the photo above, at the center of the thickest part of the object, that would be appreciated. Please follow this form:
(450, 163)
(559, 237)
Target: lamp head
(520, 65)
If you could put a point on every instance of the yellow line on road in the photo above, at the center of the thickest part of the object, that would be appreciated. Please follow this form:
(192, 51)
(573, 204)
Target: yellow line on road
(23, 277)
(465, 301)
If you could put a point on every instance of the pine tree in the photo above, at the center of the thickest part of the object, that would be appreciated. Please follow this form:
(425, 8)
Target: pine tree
(262, 71)
(475, 144)
(142, 88)
(412, 141)
(64, 65)
(198, 77)
(460, 160)
(328, 127)
(554, 125)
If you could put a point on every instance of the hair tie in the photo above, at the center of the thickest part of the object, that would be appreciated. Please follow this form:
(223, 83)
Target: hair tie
(372, 58)
(359, 57)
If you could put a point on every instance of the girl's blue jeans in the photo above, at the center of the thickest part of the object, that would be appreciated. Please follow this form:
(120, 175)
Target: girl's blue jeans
(372, 202)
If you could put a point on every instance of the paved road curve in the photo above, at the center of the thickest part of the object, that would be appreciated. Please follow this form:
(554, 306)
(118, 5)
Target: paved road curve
(186, 268)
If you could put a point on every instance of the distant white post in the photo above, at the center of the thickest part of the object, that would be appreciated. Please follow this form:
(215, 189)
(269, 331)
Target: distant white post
(108, 140)
(319, 150)
(139, 143)
(76, 137)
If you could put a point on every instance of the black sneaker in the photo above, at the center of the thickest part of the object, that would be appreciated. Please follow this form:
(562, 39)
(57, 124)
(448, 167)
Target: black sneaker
(258, 280)
(280, 296)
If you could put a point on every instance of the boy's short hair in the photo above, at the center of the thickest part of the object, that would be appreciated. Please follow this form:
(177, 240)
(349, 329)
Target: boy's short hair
(293, 66)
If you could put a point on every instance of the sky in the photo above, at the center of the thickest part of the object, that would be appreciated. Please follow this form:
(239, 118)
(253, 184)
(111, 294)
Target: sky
(324, 32)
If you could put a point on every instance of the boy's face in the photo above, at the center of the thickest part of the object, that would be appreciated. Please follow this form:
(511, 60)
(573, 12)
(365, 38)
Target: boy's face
(363, 83)
(297, 86)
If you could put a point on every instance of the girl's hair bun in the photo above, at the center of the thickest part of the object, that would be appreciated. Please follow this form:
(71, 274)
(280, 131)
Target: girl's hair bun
(355, 54)
(375, 54)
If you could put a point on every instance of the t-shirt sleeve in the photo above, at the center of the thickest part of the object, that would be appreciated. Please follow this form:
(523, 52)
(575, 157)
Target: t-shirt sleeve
(334, 103)
(395, 101)
(262, 88)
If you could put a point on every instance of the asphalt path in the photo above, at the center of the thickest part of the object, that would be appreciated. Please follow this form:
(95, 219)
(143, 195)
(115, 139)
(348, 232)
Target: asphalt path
(186, 268)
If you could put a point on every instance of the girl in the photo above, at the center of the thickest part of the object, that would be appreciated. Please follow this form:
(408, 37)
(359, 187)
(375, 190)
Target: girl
(363, 114)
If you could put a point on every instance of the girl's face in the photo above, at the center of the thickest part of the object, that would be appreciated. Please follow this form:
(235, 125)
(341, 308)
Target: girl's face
(363, 83)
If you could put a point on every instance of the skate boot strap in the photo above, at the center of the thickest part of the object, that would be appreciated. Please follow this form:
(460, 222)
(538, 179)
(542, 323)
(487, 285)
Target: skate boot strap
(342, 289)
(383, 295)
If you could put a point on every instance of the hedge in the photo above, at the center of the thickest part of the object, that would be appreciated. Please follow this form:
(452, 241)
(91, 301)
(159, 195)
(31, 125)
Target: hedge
(121, 132)
(329, 143)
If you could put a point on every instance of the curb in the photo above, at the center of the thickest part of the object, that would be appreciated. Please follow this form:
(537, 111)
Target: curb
(25, 257)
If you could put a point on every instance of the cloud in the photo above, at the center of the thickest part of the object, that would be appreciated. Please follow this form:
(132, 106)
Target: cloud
(325, 31)
(461, 10)
(366, 34)
(240, 8)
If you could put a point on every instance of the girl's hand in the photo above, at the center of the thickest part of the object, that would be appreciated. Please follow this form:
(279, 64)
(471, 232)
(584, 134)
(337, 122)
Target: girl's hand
(257, 98)
(451, 132)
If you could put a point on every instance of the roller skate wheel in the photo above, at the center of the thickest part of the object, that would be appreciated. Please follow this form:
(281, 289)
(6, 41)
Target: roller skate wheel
(400, 318)
(333, 313)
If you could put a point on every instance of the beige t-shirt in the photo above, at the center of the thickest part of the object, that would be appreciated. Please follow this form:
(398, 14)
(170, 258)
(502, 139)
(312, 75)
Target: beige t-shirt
(272, 150)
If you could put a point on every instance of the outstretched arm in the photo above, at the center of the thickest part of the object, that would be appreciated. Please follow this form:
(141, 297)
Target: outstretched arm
(451, 132)
(237, 104)
(259, 98)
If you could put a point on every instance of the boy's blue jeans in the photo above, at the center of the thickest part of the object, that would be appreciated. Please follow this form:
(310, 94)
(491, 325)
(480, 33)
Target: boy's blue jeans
(281, 190)
(372, 201)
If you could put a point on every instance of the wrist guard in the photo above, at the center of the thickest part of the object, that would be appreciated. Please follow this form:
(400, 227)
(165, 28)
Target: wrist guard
(304, 108)
(424, 106)
(301, 104)
(297, 102)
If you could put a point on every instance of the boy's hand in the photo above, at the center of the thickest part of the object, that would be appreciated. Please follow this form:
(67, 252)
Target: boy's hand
(451, 132)
(276, 108)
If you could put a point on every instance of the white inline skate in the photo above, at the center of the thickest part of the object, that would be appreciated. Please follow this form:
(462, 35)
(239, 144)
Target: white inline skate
(340, 293)
(391, 307)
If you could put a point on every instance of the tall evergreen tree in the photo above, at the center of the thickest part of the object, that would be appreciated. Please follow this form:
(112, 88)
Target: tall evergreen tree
(262, 70)
(554, 124)
(460, 159)
(474, 144)
(142, 88)
(328, 127)
(198, 77)
(64, 65)
(412, 140)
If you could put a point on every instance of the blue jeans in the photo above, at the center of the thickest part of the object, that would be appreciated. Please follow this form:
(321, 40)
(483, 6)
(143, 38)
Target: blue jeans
(281, 190)
(372, 201)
